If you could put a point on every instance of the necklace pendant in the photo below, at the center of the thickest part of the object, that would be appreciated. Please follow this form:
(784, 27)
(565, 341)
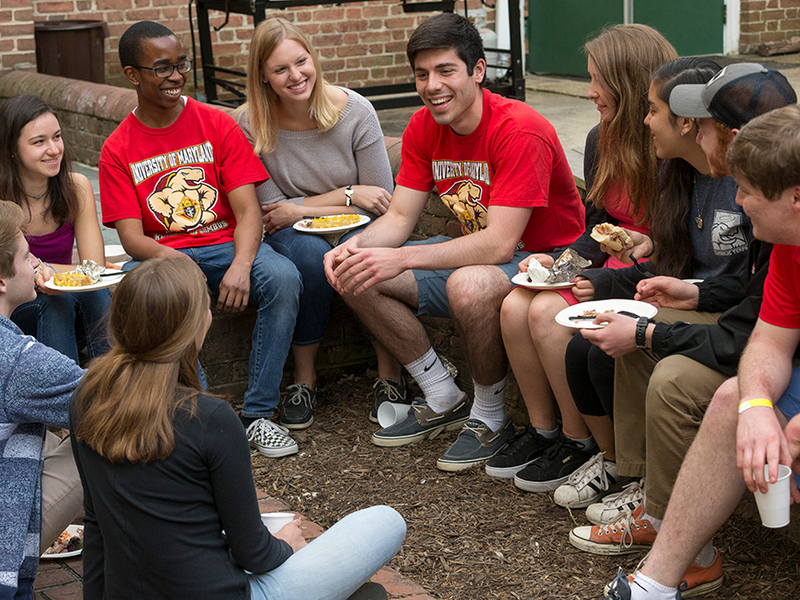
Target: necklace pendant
(699, 220)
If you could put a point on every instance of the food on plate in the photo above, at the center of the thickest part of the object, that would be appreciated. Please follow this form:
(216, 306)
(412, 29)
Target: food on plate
(72, 279)
(612, 236)
(567, 266)
(589, 315)
(67, 542)
(87, 273)
(536, 272)
(332, 221)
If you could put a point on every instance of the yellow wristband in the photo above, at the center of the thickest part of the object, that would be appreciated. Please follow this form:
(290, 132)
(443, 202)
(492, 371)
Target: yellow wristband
(743, 406)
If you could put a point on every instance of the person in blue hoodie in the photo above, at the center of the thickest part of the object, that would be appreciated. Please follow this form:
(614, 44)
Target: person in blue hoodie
(36, 383)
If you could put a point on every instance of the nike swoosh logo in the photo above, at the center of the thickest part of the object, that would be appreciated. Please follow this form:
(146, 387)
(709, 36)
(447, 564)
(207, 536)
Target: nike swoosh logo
(500, 391)
(429, 367)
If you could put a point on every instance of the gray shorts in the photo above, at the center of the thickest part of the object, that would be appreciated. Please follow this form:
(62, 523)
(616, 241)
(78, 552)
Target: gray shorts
(432, 284)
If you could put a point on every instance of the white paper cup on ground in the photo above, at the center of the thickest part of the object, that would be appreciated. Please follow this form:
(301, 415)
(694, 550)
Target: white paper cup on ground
(276, 520)
(390, 413)
(774, 505)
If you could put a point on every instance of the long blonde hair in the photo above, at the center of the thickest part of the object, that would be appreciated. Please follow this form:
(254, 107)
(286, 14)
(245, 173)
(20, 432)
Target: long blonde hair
(262, 101)
(626, 56)
(127, 400)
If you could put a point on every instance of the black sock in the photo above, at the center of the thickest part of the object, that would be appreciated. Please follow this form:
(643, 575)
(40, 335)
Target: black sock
(247, 421)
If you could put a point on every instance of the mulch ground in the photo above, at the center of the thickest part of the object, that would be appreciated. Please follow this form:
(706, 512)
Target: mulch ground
(471, 536)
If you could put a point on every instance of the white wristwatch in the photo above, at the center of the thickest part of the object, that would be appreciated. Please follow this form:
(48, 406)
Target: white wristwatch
(348, 194)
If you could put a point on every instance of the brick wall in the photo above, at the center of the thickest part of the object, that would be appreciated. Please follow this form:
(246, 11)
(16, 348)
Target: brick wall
(767, 21)
(360, 43)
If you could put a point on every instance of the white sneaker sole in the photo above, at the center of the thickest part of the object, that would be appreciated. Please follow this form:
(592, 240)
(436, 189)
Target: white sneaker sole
(506, 472)
(605, 549)
(539, 486)
(276, 452)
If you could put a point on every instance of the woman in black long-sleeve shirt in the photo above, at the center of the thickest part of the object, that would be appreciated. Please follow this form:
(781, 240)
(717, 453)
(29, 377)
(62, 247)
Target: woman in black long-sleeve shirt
(166, 468)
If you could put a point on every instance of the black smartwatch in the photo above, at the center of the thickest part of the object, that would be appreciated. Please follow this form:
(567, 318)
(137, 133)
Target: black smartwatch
(641, 332)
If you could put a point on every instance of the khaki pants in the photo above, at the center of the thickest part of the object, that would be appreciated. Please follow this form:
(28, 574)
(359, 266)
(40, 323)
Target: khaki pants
(658, 408)
(62, 494)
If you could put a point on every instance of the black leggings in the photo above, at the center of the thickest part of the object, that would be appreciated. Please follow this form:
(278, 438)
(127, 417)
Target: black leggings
(590, 373)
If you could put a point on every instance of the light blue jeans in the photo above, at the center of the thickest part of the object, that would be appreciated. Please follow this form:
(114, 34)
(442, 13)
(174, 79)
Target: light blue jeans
(68, 321)
(338, 562)
(275, 288)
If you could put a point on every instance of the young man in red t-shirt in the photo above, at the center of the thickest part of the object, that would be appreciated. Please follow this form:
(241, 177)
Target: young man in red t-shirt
(500, 169)
(177, 178)
(753, 418)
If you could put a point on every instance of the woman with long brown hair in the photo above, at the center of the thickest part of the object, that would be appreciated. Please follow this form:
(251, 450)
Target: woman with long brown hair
(60, 211)
(620, 169)
(166, 468)
(698, 232)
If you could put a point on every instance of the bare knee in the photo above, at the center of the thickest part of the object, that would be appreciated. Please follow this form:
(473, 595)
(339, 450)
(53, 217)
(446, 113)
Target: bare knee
(543, 310)
(476, 290)
(514, 310)
(723, 411)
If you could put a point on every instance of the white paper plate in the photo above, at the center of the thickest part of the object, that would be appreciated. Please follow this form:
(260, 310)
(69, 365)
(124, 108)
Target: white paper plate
(521, 279)
(73, 530)
(641, 309)
(103, 283)
(301, 226)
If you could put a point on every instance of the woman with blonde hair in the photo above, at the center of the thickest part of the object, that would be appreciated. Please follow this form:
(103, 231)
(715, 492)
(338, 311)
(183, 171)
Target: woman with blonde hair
(620, 169)
(323, 148)
(60, 210)
(166, 468)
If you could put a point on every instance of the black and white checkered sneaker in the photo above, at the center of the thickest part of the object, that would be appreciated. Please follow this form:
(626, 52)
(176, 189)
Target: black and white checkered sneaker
(271, 439)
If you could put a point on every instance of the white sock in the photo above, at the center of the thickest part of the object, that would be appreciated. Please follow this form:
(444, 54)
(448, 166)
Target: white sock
(548, 434)
(586, 442)
(489, 405)
(656, 522)
(644, 588)
(437, 386)
(707, 555)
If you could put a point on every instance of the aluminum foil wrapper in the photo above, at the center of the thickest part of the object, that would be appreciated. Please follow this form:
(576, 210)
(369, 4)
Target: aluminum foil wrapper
(91, 269)
(567, 266)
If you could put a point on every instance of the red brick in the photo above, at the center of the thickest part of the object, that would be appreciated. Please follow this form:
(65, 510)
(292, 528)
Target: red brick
(16, 3)
(375, 11)
(52, 577)
(6, 45)
(55, 7)
(352, 13)
(336, 14)
(14, 30)
(771, 15)
(25, 60)
(141, 14)
(790, 24)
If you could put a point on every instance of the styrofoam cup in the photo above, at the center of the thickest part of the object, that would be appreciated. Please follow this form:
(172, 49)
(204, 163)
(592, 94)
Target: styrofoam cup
(275, 521)
(390, 413)
(774, 505)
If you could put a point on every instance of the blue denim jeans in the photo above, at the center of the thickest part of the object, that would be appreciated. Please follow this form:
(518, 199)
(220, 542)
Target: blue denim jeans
(306, 251)
(275, 288)
(68, 321)
(338, 562)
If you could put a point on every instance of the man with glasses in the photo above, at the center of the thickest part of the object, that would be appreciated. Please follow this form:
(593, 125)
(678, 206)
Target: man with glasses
(177, 178)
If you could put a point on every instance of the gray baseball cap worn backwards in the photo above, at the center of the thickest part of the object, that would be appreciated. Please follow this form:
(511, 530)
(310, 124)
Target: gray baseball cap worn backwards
(737, 94)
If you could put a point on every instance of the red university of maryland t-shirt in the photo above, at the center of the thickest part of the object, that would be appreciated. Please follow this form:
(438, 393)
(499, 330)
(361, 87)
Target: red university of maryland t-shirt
(513, 158)
(176, 180)
(781, 304)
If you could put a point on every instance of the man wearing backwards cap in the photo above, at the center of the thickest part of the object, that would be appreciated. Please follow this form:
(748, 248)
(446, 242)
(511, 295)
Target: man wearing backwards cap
(709, 486)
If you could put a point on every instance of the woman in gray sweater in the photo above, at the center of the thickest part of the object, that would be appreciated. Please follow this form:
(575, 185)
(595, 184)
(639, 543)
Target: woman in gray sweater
(323, 149)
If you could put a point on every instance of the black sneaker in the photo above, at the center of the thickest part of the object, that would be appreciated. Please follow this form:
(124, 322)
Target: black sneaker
(386, 390)
(554, 466)
(297, 410)
(525, 448)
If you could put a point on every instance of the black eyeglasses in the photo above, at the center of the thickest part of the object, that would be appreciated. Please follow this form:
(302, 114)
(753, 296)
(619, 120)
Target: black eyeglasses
(165, 71)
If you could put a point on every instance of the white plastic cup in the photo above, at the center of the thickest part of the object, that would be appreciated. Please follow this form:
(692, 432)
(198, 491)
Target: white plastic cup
(774, 505)
(390, 413)
(276, 520)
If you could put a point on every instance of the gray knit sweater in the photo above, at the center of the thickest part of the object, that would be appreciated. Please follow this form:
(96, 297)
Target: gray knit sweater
(309, 163)
(36, 383)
